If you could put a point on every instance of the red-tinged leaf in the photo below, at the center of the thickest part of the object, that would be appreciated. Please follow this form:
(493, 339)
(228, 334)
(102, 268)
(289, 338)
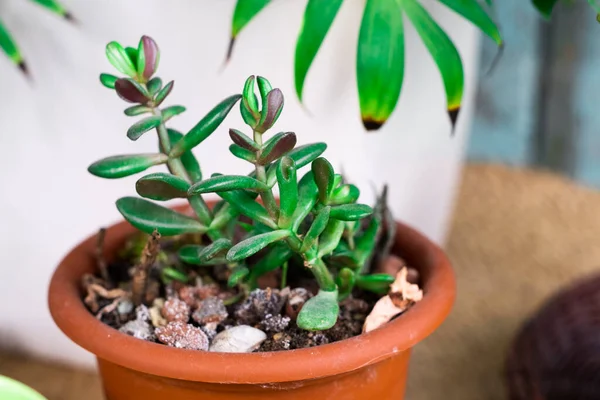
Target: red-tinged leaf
(131, 91)
(324, 178)
(242, 140)
(164, 92)
(125, 165)
(161, 186)
(271, 110)
(148, 57)
(277, 146)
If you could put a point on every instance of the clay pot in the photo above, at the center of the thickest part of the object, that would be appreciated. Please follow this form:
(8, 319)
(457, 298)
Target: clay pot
(369, 366)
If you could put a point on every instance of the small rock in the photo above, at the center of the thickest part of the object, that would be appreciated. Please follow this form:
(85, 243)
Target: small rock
(259, 304)
(125, 307)
(142, 313)
(239, 339)
(188, 294)
(156, 313)
(206, 291)
(275, 323)
(182, 336)
(211, 310)
(139, 327)
(176, 310)
(296, 300)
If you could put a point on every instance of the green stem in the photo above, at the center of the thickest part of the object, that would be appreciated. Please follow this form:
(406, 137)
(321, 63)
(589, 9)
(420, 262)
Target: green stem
(261, 174)
(284, 271)
(322, 275)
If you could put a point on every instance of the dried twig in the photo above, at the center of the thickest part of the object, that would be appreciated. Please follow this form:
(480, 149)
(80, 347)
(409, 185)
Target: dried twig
(100, 261)
(140, 273)
(94, 289)
(110, 307)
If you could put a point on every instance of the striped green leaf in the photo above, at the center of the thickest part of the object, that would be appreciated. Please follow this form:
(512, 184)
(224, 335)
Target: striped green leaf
(120, 166)
(226, 183)
(243, 13)
(256, 243)
(474, 12)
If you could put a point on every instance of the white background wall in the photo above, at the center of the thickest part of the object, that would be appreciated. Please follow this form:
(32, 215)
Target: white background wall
(52, 128)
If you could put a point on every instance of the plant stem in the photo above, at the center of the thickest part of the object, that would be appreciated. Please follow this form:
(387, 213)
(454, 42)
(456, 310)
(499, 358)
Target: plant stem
(322, 275)
(261, 174)
(284, 271)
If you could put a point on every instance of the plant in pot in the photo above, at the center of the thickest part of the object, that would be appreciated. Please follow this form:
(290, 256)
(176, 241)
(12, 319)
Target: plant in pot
(249, 296)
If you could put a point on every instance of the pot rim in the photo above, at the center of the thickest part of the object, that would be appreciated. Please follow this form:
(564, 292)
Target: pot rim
(402, 333)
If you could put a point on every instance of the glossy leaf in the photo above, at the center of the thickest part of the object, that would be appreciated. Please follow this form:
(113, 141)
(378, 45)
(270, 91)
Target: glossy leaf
(320, 312)
(137, 110)
(119, 59)
(365, 244)
(148, 57)
(55, 7)
(190, 254)
(147, 216)
(162, 187)
(247, 116)
(323, 175)
(125, 165)
(247, 206)
(264, 88)
(279, 145)
(9, 46)
(154, 85)
(350, 212)
(190, 163)
(131, 91)
(271, 109)
(163, 93)
(139, 128)
(302, 155)
(238, 274)
(132, 53)
(545, 7)
(345, 194)
(172, 111)
(274, 258)
(473, 11)
(107, 80)
(205, 127)
(244, 11)
(288, 191)
(345, 281)
(307, 198)
(331, 236)
(243, 140)
(249, 100)
(315, 230)
(242, 153)
(202, 255)
(254, 244)
(380, 61)
(318, 17)
(223, 216)
(226, 183)
(444, 53)
(377, 283)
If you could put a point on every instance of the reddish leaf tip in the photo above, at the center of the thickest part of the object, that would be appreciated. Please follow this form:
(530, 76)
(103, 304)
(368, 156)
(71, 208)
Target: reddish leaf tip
(24, 68)
(372, 125)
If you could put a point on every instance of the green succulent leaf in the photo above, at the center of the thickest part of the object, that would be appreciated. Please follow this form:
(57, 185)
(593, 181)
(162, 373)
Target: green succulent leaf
(444, 54)
(473, 11)
(380, 61)
(139, 128)
(148, 216)
(254, 244)
(154, 85)
(119, 59)
(205, 127)
(271, 109)
(238, 274)
(345, 194)
(121, 166)
(107, 80)
(163, 93)
(302, 155)
(162, 187)
(315, 230)
(242, 153)
(249, 100)
(307, 198)
(244, 11)
(204, 255)
(246, 205)
(242, 140)
(226, 183)
(279, 145)
(288, 191)
(331, 236)
(189, 161)
(190, 254)
(171, 274)
(350, 212)
(318, 18)
(274, 258)
(247, 116)
(377, 283)
(320, 312)
(324, 178)
(345, 281)
(365, 244)
(545, 7)
(264, 88)
(172, 111)
(132, 54)
(223, 216)
(137, 110)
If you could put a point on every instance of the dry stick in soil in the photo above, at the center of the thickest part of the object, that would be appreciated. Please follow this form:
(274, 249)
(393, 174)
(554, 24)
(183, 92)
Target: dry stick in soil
(94, 289)
(100, 261)
(140, 274)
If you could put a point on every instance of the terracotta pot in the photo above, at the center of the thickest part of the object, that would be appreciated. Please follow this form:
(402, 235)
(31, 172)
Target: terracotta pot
(369, 366)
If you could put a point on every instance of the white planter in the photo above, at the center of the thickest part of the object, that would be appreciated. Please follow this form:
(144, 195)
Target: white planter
(54, 127)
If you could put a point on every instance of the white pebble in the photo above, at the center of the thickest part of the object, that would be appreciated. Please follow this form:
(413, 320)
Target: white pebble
(239, 339)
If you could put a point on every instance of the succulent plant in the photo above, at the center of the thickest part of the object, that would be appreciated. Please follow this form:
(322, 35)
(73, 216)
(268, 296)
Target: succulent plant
(317, 219)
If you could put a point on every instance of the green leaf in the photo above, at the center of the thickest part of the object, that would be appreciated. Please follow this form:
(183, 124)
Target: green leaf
(254, 244)
(53, 6)
(545, 7)
(119, 59)
(147, 216)
(244, 11)
(474, 12)
(170, 274)
(279, 145)
(131, 91)
(307, 195)
(320, 312)
(377, 283)
(271, 109)
(242, 140)
(9, 46)
(350, 212)
(223, 216)
(247, 116)
(148, 57)
(188, 159)
(274, 258)
(288, 191)
(380, 61)
(203, 255)
(137, 110)
(302, 155)
(345, 282)
(237, 275)
(132, 54)
(249, 100)
(318, 17)
(125, 165)
(242, 153)
(172, 111)
(444, 54)
(205, 127)
(345, 194)
(366, 243)
(315, 230)
(163, 93)
(264, 87)
(331, 236)
(154, 85)
(247, 206)
(323, 175)
(162, 187)
(190, 254)
(225, 183)
(107, 80)
(139, 128)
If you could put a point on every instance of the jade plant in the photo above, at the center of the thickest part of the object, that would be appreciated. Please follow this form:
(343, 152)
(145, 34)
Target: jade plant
(317, 219)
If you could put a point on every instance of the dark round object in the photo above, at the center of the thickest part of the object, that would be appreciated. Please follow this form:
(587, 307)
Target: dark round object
(556, 355)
